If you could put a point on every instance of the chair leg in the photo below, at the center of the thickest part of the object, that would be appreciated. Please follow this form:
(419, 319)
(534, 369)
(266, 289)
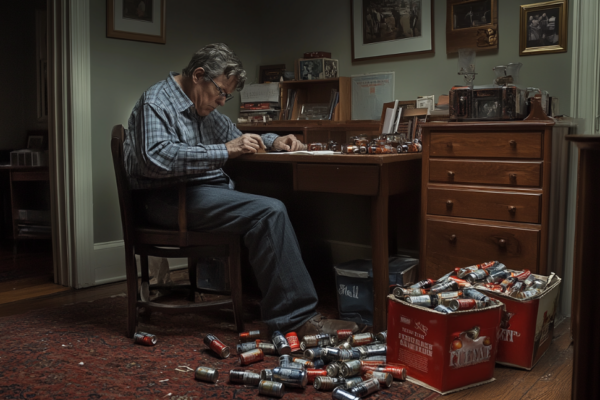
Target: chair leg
(235, 280)
(192, 273)
(132, 292)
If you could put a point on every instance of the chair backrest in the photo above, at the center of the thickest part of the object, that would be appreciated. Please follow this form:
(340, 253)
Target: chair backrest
(123, 189)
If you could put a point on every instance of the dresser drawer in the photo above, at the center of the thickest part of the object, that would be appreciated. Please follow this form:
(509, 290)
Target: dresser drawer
(501, 206)
(461, 243)
(496, 145)
(511, 173)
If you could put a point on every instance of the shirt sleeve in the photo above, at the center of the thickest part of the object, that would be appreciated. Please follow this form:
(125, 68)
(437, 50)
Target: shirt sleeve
(224, 124)
(164, 155)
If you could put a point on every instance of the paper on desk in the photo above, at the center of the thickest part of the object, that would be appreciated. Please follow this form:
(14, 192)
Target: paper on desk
(261, 92)
(315, 153)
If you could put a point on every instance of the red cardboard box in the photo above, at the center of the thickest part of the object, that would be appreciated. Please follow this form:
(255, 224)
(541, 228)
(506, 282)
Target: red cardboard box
(437, 349)
(527, 325)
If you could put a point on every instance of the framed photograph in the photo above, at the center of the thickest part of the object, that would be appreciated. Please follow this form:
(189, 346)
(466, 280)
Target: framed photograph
(317, 68)
(427, 102)
(543, 28)
(141, 20)
(36, 142)
(391, 28)
(471, 24)
(271, 73)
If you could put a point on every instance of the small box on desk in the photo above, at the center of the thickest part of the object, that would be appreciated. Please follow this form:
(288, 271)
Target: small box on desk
(443, 352)
(317, 68)
(527, 325)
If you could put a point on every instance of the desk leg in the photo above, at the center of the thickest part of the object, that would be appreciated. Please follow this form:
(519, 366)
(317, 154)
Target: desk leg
(380, 252)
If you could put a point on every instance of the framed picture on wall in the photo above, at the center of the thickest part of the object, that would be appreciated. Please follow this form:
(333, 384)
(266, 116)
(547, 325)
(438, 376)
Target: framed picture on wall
(141, 20)
(471, 24)
(543, 28)
(392, 28)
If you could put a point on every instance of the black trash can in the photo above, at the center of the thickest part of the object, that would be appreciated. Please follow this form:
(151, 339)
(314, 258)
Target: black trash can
(354, 284)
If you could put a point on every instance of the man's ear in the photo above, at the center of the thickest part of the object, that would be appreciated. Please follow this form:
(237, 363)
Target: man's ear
(198, 75)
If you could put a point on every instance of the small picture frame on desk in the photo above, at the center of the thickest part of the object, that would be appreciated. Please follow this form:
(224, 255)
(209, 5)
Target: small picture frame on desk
(317, 68)
(271, 73)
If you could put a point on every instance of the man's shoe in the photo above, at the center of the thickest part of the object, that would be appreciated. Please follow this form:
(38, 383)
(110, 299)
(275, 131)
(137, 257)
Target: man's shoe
(320, 324)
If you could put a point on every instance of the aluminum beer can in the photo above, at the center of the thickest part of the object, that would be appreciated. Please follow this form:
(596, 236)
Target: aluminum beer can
(399, 373)
(320, 340)
(476, 295)
(361, 338)
(271, 388)
(423, 300)
(216, 345)
(366, 388)
(147, 339)
(343, 334)
(352, 381)
(442, 287)
(242, 376)
(497, 276)
(381, 336)
(327, 383)
(207, 374)
(376, 350)
(423, 284)
(379, 359)
(292, 339)
(249, 336)
(290, 376)
(306, 363)
(313, 373)
(462, 272)
(281, 343)
(477, 275)
(385, 379)
(530, 293)
(313, 353)
(244, 347)
(350, 368)
(443, 309)
(341, 394)
(538, 284)
(465, 304)
(251, 356)
(400, 292)
(333, 370)
(267, 348)
(345, 345)
(266, 375)
(319, 363)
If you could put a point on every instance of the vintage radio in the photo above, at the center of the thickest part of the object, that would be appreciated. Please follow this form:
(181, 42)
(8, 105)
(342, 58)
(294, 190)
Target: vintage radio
(488, 103)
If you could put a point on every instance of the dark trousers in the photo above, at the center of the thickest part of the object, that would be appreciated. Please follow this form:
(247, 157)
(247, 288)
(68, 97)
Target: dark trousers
(288, 295)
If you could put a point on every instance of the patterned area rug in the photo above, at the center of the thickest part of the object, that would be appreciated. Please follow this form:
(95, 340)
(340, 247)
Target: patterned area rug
(80, 351)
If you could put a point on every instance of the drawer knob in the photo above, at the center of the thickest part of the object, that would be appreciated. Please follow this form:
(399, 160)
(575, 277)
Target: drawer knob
(449, 144)
(512, 209)
(502, 243)
(449, 204)
(513, 143)
(451, 174)
(452, 238)
(513, 177)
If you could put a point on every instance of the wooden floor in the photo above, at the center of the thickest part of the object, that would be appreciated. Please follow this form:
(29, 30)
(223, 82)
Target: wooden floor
(550, 379)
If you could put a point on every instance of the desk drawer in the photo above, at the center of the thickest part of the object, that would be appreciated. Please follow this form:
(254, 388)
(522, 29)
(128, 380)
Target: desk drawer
(459, 244)
(338, 178)
(501, 206)
(523, 173)
(481, 145)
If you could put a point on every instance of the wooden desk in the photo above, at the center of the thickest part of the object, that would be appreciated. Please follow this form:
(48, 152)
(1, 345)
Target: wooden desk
(585, 318)
(375, 176)
(29, 190)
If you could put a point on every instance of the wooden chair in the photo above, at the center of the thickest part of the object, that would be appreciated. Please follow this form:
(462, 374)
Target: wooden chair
(148, 241)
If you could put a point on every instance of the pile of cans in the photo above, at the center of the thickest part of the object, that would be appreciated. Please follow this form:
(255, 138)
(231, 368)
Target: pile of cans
(352, 366)
(387, 144)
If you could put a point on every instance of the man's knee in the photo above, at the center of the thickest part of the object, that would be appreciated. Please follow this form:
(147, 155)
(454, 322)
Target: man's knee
(273, 207)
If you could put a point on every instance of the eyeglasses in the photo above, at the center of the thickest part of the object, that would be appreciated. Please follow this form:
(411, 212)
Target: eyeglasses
(227, 96)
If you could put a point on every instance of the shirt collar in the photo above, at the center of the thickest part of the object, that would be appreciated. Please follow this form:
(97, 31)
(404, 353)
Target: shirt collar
(182, 102)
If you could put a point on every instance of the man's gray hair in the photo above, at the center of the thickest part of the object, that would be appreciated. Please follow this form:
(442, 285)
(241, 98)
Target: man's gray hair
(217, 59)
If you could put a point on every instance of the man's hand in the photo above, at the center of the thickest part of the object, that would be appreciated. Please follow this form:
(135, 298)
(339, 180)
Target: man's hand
(247, 143)
(288, 143)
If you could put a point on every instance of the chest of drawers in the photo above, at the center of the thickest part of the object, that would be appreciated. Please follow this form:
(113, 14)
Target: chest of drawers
(485, 195)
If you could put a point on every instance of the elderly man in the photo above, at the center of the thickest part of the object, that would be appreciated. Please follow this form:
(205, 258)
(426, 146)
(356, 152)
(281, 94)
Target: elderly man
(176, 134)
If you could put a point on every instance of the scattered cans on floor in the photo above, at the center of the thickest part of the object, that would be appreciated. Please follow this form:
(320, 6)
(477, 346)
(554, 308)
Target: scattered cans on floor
(144, 338)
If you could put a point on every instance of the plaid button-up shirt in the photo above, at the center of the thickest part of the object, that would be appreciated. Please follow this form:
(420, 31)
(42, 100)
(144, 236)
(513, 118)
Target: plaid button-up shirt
(168, 142)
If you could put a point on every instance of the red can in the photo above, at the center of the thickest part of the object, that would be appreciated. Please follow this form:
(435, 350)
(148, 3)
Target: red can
(313, 373)
(251, 356)
(217, 346)
(147, 339)
(397, 372)
(343, 334)
(292, 338)
(361, 339)
(249, 336)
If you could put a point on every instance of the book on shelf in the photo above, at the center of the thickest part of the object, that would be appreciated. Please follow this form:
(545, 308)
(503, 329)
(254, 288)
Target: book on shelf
(260, 106)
